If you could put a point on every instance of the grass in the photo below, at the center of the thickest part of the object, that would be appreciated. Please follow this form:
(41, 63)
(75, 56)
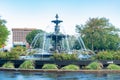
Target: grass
(8, 65)
(94, 66)
(29, 64)
(70, 67)
(49, 66)
(113, 67)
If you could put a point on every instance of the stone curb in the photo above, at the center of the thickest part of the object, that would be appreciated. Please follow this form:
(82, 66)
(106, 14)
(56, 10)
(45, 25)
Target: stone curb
(55, 70)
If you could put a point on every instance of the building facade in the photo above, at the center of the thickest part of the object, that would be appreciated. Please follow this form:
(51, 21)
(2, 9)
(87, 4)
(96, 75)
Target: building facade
(19, 36)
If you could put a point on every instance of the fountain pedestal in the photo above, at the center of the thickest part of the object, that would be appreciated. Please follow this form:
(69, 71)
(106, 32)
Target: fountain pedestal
(56, 37)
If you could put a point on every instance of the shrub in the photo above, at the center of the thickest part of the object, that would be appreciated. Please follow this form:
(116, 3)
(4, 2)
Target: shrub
(13, 55)
(3, 55)
(113, 67)
(19, 49)
(49, 66)
(29, 64)
(108, 55)
(94, 66)
(116, 55)
(104, 55)
(8, 65)
(70, 67)
(64, 56)
(31, 52)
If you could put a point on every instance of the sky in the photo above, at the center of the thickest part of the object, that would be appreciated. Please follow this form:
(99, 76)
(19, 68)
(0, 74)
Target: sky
(39, 13)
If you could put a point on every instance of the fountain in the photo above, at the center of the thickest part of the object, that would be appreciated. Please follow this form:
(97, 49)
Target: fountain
(57, 37)
(57, 42)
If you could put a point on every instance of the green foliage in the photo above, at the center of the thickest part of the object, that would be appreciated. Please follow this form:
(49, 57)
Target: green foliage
(13, 55)
(3, 55)
(31, 52)
(65, 56)
(49, 66)
(29, 64)
(9, 55)
(70, 67)
(116, 55)
(20, 50)
(8, 65)
(113, 67)
(94, 66)
(104, 55)
(108, 55)
(3, 32)
(77, 45)
(31, 36)
(99, 34)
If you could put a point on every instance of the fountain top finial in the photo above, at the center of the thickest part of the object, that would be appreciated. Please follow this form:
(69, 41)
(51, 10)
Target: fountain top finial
(56, 21)
(56, 16)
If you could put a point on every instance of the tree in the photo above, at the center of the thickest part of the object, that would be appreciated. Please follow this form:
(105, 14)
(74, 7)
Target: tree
(99, 34)
(3, 32)
(35, 38)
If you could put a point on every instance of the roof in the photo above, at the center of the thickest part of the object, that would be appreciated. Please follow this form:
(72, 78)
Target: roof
(28, 29)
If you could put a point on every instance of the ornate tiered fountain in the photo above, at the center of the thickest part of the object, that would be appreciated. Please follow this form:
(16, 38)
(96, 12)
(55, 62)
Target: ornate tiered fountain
(58, 42)
(57, 37)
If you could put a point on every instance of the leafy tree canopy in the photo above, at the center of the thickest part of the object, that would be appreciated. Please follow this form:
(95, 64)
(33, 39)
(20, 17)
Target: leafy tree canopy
(99, 34)
(35, 35)
(3, 32)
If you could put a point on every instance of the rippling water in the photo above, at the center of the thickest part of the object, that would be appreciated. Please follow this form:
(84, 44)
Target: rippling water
(4, 75)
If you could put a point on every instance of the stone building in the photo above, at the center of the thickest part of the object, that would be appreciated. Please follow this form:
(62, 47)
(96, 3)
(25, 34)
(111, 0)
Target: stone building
(19, 36)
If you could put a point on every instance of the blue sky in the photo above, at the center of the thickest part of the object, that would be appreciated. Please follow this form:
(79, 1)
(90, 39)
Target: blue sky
(39, 13)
